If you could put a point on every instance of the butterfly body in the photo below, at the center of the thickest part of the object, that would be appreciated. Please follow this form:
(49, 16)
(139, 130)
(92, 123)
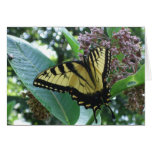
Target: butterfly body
(84, 80)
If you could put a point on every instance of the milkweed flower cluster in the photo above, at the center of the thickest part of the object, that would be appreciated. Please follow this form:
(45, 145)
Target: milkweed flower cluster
(136, 98)
(95, 38)
(128, 48)
(39, 111)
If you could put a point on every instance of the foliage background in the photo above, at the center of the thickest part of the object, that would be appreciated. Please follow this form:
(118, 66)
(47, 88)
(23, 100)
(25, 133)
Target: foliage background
(52, 39)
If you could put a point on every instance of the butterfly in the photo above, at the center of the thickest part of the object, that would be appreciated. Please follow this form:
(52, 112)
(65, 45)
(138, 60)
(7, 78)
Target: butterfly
(86, 80)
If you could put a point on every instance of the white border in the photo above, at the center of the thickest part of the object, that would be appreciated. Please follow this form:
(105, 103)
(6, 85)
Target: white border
(74, 138)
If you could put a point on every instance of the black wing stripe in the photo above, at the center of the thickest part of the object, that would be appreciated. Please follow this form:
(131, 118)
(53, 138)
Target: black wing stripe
(95, 58)
(94, 55)
(97, 52)
(71, 67)
(53, 71)
(91, 57)
(61, 68)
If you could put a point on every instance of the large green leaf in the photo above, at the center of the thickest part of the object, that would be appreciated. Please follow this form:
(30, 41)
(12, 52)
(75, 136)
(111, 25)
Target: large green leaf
(72, 41)
(27, 62)
(131, 81)
(111, 30)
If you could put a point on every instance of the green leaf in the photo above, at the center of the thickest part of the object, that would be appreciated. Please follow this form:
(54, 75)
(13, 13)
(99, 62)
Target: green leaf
(111, 30)
(87, 117)
(131, 81)
(10, 107)
(72, 41)
(27, 63)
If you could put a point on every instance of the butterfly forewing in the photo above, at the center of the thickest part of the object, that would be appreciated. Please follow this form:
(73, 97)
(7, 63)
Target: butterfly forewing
(65, 77)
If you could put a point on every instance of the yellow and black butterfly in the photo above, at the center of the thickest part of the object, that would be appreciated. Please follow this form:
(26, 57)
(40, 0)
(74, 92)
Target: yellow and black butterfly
(86, 81)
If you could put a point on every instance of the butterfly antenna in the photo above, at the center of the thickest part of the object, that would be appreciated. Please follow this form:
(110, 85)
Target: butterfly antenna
(113, 116)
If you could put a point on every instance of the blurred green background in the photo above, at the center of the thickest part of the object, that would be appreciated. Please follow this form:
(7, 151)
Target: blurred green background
(53, 44)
